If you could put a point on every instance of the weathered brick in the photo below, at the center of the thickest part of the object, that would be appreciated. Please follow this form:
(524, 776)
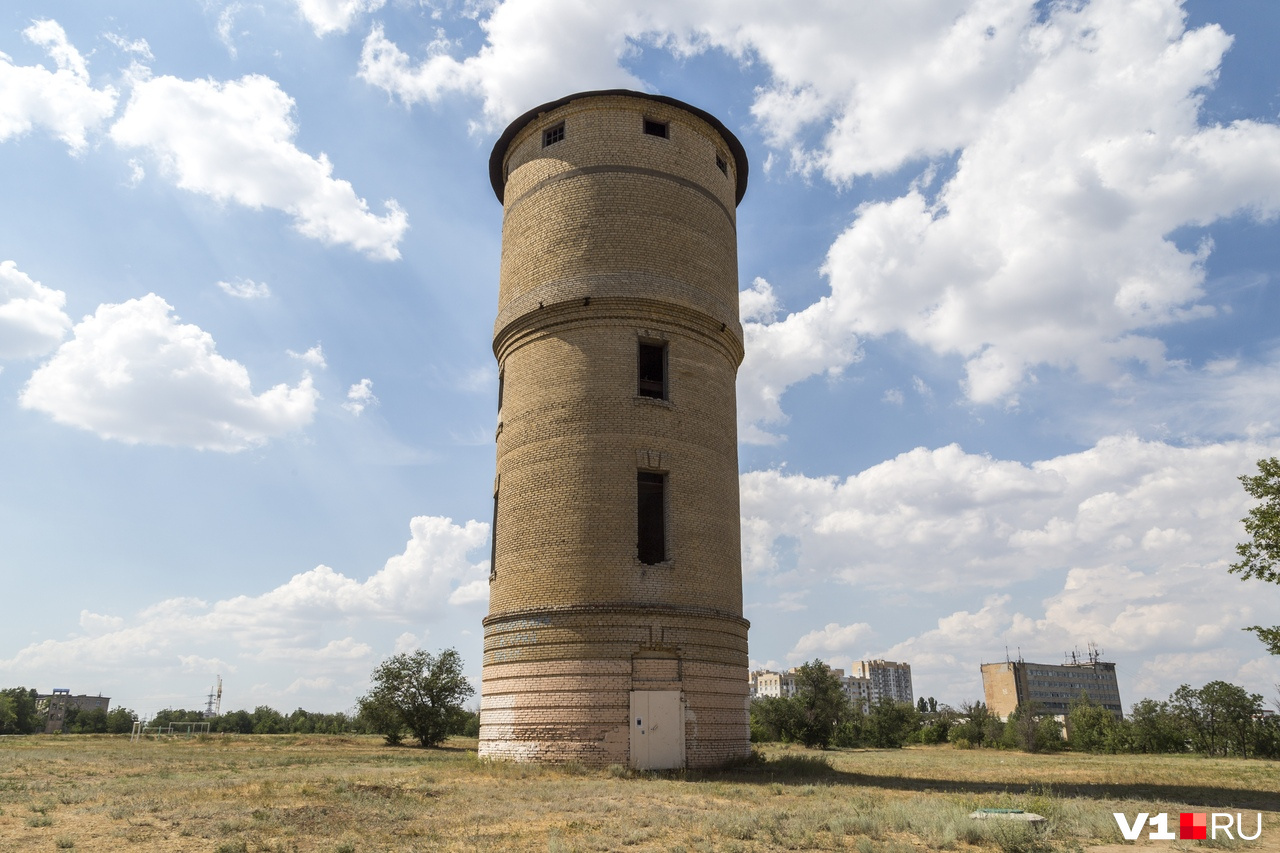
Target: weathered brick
(612, 237)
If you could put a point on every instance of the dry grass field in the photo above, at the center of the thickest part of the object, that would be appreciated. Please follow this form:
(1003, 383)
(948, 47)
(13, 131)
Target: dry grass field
(232, 794)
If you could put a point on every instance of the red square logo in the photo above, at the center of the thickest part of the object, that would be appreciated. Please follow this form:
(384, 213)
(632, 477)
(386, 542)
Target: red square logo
(1193, 826)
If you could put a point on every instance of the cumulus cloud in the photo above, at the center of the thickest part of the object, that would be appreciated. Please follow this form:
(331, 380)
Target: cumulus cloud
(1068, 140)
(943, 519)
(32, 322)
(1131, 539)
(313, 357)
(61, 101)
(245, 288)
(335, 16)
(312, 626)
(233, 141)
(134, 373)
(535, 52)
(1048, 244)
(1140, 620)
(834, 640)
(359, 397)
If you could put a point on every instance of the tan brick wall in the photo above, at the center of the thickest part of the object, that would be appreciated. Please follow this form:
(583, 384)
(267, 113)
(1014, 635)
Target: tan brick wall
(611, 237)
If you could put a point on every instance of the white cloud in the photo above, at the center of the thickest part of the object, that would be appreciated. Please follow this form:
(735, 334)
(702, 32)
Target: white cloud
(330, 16)
(245, 288)
(1060, 259)
(1077, 148)
(834, 640)
(1131, 539)
(226, 23)
(944, 519)
(313, 357)
(62, 101)
(138, 47)
(536, 51)
(407, 642)
(1139, 620)
(315, 625)
(96, 623)
(234, 141)
(359, 397)
(134, 373)
(32, 322)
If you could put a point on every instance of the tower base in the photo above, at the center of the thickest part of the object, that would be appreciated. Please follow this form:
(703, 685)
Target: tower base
(645, 687)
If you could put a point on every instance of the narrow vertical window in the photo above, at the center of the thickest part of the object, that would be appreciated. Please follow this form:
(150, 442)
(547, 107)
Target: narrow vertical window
(651, 517)
(722, 165)
(553, 134)
(501, 380)
(651, 367)
(493, 538)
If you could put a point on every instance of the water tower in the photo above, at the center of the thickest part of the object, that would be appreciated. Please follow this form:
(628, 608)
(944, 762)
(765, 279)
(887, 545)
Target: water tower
(615, 630)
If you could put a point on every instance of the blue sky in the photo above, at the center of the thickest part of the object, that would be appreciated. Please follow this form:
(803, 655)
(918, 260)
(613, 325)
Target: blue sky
(1009, 275)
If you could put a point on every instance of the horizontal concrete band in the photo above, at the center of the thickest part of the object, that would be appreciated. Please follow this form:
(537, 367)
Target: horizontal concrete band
(603, 715)
(579, 303)
(625, 640)
(610, 613)
(600, 685)
(539, 703)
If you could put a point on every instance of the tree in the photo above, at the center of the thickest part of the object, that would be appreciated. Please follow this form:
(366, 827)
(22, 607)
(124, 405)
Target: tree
(976, 725)
(268, 721)
(1260, 556)
(890, 723)
(937, 727)
(90, 722)
(1032, 730)
(820, 702)
(120, 721)
(417, 691)
(1091, 727)
(1153, 727)
(18, 712)
(1233, 710)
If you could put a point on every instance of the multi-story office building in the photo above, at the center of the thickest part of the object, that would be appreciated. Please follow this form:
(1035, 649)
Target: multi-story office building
(56, 704)
(1051, 687)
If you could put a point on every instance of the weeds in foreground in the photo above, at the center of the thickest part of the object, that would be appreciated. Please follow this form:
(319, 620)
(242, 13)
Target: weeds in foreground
(263, 793)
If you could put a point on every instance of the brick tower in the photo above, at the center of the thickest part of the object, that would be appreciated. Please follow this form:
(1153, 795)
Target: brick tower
(615, 630)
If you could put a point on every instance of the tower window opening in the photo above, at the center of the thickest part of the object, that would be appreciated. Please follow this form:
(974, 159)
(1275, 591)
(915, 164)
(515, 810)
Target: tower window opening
(553, 134)
(655, 128)
(722, 165)
(652, 371)
(493, 541)
(651, 517)
(501, 382)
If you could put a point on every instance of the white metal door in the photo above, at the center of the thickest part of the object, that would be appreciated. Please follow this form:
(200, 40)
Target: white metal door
(657, 730)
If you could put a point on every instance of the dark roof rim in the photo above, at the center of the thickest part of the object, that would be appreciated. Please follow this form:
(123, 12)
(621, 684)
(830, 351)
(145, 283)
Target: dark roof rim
(497, 179)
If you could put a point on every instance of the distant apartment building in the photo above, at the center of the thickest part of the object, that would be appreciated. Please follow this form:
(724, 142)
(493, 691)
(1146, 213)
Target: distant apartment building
(767, 683)
(1052, 687)
(872, 681)
(887, 680)
(56, 704)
